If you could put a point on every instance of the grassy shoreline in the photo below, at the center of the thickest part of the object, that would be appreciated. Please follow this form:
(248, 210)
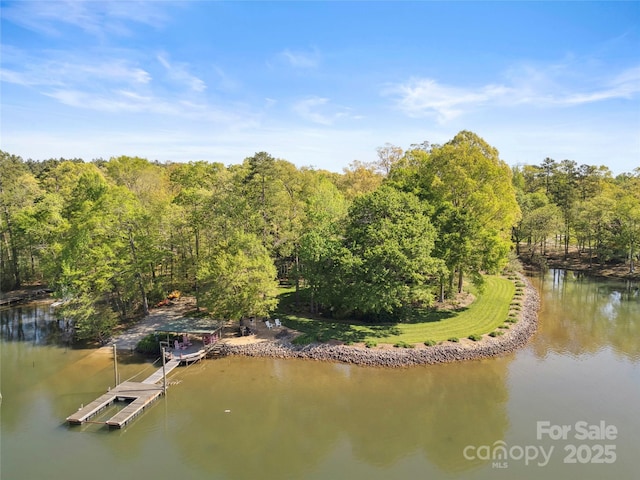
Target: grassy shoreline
(484, 315)
(518, 329)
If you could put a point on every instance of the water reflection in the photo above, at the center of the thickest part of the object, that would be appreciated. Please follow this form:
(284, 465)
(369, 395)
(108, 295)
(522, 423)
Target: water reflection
(287, 416)
(239, 418)
(584, 315)
(35, 323)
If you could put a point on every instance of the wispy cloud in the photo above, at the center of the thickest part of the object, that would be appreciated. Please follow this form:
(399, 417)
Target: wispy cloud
(112, 101)
(419, 97)
(94, 80)
(100, 18)
(422, 97)
(56, 68)
(301, 59)
(625, 85)
(179, 72)
(319, 110)
(116, 101)
(224, 81)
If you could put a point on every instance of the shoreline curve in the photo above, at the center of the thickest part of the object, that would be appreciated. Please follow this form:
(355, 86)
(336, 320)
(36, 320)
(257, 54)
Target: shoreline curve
(513, 339)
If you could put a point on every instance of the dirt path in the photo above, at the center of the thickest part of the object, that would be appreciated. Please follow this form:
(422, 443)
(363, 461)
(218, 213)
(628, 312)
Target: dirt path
(128, 340)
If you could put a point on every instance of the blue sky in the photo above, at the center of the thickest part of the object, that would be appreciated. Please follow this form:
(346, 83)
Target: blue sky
(320, 83)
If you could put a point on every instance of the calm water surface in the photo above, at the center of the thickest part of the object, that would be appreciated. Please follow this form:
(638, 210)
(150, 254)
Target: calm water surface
(295, 419)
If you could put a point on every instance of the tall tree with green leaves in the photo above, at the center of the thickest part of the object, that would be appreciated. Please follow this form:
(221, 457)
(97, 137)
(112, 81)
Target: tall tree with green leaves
(239, 279)
(627, 212)
(466, 176)
(594, 224)
(19, 195)
(540, 223)
(386, 264)
(388, 156)
(262, 191)
(201, 189)
(358, 178)
(90, 259)
(103, 265)
(321, 241)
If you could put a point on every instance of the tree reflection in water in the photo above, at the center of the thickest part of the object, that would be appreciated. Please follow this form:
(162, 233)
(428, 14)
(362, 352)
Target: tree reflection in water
(287, 416)
(584, 315)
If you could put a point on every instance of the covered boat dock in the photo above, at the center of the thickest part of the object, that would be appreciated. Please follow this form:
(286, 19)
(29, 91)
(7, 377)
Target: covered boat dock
(189, 340)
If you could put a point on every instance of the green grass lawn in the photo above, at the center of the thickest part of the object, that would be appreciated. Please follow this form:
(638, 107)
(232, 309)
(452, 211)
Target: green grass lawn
(489, 310)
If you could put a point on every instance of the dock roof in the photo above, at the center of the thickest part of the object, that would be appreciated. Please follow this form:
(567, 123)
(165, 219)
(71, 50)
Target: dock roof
(192, 325)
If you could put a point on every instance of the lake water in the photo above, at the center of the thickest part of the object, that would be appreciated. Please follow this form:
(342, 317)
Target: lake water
(243, 418)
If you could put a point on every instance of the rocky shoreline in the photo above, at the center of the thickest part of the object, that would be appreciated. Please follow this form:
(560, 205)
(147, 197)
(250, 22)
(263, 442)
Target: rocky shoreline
(514, 338)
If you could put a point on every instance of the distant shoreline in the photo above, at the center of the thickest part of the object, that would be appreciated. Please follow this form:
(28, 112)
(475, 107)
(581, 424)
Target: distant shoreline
(513, 339)
(382, 356)
(23, 295)
(579, 263)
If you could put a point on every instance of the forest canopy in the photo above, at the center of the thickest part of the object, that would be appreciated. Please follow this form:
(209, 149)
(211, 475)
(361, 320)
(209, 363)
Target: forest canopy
(113, 237)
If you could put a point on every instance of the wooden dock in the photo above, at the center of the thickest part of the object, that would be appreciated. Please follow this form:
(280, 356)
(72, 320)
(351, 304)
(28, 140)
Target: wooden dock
(187, 357)
(141, 394)
(9, 299)
(157, 376)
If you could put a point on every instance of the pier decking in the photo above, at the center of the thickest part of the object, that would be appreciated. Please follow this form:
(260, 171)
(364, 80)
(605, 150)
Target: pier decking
(157, 376)
(141, 393)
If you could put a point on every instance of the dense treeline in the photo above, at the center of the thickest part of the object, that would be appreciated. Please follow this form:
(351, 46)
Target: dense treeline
(114, 237)
(565, 205)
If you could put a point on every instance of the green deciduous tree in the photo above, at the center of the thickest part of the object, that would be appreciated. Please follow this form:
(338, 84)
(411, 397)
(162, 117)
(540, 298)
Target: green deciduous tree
(103, 262)
(628, 214)
(321, 241)
(357, 179)
(239, 279)
(386, 262)
(594, 224)
(540, 223)
(469, 185)
(18, 193)
(199, 216)
(388, 156)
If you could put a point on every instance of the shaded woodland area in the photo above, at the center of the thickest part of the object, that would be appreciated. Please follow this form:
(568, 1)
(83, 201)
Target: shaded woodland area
(113, 238)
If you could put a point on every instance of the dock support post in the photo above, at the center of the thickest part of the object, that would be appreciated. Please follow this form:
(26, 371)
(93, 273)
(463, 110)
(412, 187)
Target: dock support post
(115, 363)
(164, 373)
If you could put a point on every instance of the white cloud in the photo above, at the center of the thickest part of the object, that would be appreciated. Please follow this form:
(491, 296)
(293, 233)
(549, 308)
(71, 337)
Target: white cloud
(420, 97)
(121, 101)
(96, 80)
(319, 110)
(625, 85)
(18, 78)
(541, 87)
(112, 102)
(60, 69)
(179, 73)
(301, 59)
(307, 109)
(100, 18)
(224, 81)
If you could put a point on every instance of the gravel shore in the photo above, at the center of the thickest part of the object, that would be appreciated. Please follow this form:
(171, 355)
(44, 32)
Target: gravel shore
(514, 338)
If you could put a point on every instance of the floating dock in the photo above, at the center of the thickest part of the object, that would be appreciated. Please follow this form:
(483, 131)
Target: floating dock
(141, 394)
